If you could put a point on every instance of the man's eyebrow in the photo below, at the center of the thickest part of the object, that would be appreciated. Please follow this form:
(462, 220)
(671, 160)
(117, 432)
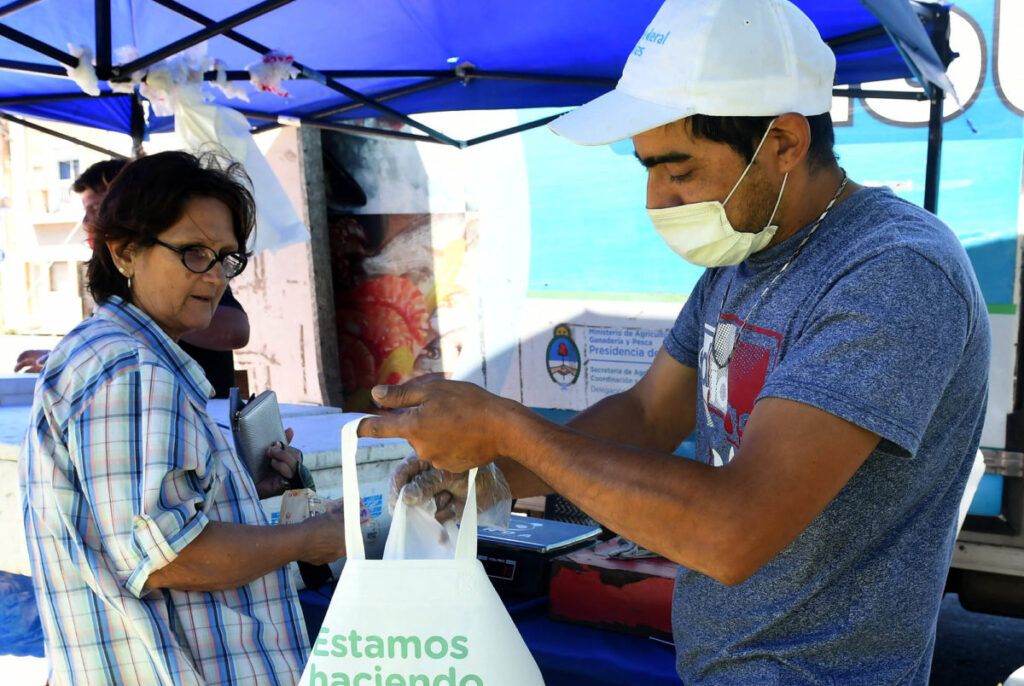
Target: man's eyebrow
(649, 162)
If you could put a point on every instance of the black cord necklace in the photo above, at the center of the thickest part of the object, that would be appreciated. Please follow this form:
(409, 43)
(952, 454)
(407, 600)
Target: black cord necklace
(723, 345)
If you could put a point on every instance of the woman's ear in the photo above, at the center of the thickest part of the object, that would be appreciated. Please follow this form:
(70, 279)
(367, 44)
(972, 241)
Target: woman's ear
(123, 254)
(793, 136)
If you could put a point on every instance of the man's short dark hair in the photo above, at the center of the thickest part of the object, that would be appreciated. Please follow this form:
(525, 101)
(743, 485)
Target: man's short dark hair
(742, 134)
(99, 176)
(150, 195)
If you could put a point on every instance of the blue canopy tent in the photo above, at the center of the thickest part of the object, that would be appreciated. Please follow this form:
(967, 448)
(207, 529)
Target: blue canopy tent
(365, 58)
(393, 59)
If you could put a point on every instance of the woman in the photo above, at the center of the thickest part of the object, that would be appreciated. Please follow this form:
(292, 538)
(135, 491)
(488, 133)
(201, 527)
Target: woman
(151, 557)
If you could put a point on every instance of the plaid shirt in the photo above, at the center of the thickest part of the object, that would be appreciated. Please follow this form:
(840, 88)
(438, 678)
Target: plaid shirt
(120, 470)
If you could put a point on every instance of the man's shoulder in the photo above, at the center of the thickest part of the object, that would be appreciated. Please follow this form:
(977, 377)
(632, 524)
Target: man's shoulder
(877, 224)
(883, 219)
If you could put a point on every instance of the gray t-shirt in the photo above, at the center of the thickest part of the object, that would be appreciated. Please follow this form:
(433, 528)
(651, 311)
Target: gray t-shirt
(879, 320)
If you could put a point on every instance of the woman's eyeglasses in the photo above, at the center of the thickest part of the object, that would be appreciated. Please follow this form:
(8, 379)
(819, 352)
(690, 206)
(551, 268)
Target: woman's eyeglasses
(199, 259)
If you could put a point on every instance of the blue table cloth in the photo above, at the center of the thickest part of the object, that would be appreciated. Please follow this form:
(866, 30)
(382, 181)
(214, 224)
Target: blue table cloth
(20, 631)
(567, 654)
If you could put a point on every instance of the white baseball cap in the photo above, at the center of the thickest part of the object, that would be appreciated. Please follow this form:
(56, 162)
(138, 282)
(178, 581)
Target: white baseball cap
(744, 58)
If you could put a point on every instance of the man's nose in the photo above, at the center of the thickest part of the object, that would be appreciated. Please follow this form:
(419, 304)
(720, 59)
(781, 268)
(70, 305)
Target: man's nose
(660, 193)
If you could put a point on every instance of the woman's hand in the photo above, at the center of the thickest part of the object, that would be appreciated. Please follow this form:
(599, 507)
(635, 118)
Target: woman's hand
(284, 469)
(324, 540)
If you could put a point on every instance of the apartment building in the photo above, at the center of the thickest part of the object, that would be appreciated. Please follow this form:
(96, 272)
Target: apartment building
(42, 242)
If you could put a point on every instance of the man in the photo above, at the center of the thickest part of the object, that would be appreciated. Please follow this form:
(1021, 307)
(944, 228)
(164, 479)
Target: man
(210, 347)
(833, 360)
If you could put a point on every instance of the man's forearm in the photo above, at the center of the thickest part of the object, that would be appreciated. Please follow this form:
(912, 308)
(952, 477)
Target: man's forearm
(725, 522)
(621, 418)
(617, 418)
(659, 500)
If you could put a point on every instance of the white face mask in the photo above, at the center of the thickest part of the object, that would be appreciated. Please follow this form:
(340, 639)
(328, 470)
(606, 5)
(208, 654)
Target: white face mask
(701, 233)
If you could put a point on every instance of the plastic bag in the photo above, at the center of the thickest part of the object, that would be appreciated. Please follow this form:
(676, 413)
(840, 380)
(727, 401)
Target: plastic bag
(420, 483)
(416, 534)
(277, 223)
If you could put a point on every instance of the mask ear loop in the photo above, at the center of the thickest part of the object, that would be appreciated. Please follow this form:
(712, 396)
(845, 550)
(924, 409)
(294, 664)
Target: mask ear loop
(751, 163)
(778, 200)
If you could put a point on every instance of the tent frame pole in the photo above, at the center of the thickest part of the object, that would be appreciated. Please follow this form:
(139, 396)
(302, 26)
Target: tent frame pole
(313, 119)
(366, 130)
(104, 50)
(57, 97)
(934, 158)
(138, 124)
(38, 45)
(309, 72)
(211, 29)
(389, 95)
(450, 75)
(370, 102)
(398, 92)
(286, 120)
(198, 18)
(514, 129)
(12, 7)
(468, 72)
(34, 68)
(854, 36)
(888, 95)
(57, 134)
(939, 36)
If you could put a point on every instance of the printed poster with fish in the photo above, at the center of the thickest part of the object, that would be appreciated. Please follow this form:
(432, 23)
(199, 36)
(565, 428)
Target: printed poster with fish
(402, 302)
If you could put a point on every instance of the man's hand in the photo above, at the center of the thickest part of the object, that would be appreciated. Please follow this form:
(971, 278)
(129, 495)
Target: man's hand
(452, 424)
(418, 482)
(31, 361)
(421, 483)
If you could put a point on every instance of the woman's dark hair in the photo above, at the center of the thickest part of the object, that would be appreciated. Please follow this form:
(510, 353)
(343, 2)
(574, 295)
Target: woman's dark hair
(150, 195)
(742, 134)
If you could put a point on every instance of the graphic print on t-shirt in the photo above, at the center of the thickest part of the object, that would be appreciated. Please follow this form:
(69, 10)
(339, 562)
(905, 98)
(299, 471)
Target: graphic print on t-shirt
(729, 392)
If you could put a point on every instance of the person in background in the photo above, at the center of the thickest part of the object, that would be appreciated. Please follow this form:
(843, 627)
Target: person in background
(833, 359)
(152, 558)
(210, 347)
